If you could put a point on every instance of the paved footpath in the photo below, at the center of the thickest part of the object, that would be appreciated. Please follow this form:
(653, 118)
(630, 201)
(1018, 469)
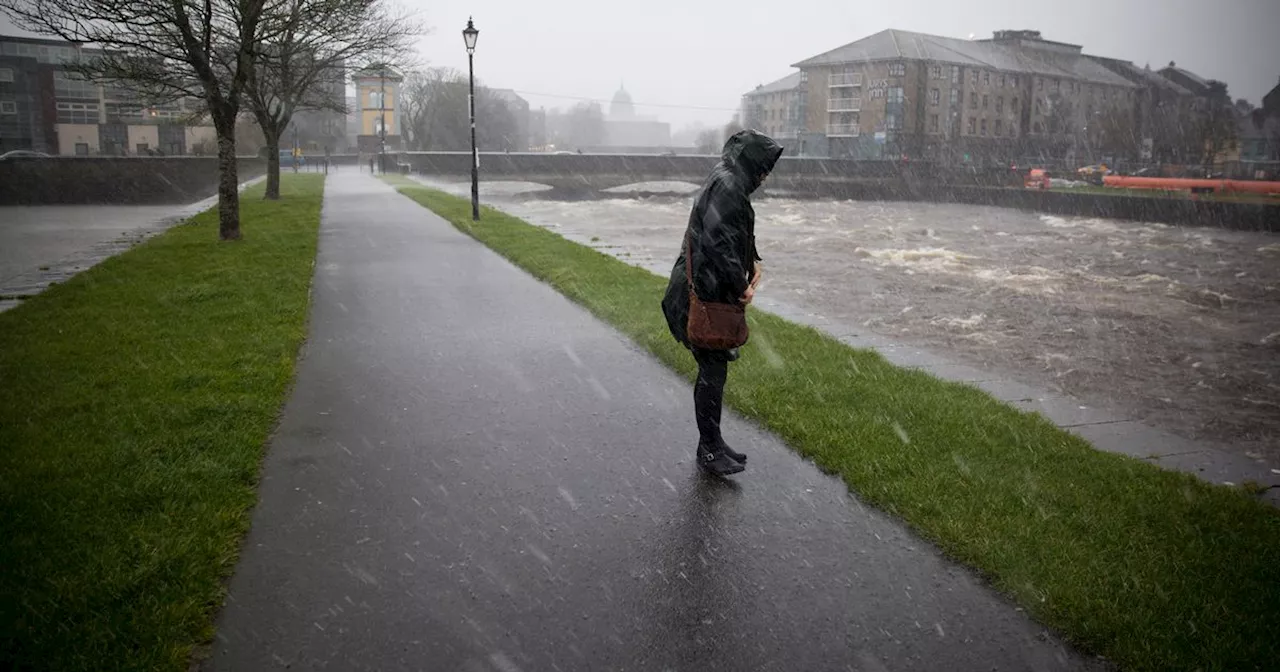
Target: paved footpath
(474, 473)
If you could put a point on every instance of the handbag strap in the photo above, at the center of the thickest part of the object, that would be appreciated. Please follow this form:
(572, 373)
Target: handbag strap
(688, 261)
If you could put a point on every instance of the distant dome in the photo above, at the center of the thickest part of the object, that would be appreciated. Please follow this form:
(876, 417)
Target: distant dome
(622, 107)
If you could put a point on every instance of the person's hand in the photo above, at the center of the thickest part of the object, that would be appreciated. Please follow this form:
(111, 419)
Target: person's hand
(756, 271)
(748, 295)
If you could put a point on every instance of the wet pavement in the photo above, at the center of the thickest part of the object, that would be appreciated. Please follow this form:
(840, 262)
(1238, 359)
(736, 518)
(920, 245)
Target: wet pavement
(473, 473)
(1174, 328)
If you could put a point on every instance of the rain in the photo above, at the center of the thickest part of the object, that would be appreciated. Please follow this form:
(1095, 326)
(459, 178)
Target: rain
(303, 363)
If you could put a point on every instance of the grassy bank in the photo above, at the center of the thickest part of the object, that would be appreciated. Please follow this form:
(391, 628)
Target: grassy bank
(136, 401)
(1153, 569)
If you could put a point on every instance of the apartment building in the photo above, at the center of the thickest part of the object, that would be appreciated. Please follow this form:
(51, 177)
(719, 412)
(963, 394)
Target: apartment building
(46, 108)
(901, 94)
(778, 109)
(377, 109)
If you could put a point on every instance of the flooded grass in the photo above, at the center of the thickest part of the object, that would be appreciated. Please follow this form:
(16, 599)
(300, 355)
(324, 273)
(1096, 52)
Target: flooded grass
(137, 400)
(1153, 569)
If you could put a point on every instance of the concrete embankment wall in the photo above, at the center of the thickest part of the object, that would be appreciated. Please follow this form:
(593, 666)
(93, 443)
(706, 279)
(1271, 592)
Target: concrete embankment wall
(104, 180)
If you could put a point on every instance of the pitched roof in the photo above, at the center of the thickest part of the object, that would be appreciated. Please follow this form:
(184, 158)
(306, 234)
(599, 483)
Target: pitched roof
(1144, 76)
(787, 83)
(901, 44)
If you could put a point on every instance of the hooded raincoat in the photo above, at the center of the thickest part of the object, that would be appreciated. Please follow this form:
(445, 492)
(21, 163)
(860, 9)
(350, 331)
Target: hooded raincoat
(721, 230)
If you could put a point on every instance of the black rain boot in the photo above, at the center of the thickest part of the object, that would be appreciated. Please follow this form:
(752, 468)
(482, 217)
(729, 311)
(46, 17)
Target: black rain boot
(739, 457)
(716, 462)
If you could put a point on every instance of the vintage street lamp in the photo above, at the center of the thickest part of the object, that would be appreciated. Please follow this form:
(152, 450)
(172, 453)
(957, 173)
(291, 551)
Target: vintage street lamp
(469, 35)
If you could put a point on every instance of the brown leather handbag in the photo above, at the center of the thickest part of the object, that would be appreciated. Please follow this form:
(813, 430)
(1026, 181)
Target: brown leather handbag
(712, 326)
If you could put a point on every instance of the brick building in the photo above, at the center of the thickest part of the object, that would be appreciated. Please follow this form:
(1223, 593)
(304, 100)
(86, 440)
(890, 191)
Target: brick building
(1015, 96)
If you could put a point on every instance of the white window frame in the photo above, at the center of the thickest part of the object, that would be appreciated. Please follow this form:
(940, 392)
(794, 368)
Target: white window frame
(6, 75)
(8, 107)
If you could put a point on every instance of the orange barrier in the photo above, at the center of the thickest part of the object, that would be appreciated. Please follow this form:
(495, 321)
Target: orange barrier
(1184, 184)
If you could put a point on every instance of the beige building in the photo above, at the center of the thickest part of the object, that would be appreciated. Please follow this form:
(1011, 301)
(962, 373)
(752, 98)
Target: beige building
(377, 96)
(901, 94)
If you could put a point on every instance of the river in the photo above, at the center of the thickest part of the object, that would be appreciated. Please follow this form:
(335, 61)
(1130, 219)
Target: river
(1177, 327)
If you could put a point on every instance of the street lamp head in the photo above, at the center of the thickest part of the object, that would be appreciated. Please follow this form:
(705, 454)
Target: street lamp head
(469, 35)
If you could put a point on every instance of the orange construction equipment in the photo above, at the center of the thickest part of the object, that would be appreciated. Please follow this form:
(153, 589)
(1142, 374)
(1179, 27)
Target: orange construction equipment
(1184, 184)
(1038, 178)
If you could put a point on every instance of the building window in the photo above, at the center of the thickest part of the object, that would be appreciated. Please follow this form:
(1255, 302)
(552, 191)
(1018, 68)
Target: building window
(973, 101)
(376, 99)
(972, 124)
(1057, 85)
(1002, 81)
(935, 96)
(8, 107)
(1104, 95)
(1038, 106)
(973, 77)
(955, 74)
(77, 113)
(82, 149)
(1013, 130)
(1038, 127)
(935, 72)
(1040, 83)
(70, 85)
(1013, 81)
(6, 74)
(984, 128)
(999, 127)
(892, 122)
(933, 123)
(1013, 105)
(897, 69)
(142, 148)
(955, 97)
(985, 102)
(986, 78)
(896, 95)
(999, 105)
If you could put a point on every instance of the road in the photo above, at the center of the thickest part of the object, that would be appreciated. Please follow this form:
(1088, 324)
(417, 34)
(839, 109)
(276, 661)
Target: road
(473, 473)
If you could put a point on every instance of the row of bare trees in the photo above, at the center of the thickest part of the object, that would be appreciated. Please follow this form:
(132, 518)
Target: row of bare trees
(435, 116)
(267, 58)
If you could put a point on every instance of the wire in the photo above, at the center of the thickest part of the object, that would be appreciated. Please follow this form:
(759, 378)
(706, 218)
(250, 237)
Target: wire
(600, 100)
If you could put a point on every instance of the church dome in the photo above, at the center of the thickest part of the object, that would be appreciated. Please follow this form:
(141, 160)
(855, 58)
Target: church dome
(622, 107)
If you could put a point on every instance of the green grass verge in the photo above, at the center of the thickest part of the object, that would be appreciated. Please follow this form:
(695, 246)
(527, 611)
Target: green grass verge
(1153, 569)
(136, 402)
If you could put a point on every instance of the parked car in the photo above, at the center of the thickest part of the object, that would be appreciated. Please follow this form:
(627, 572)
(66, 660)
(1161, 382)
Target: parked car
(23, 154)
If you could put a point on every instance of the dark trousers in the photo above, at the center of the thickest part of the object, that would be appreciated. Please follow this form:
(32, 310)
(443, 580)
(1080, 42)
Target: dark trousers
(708, 395)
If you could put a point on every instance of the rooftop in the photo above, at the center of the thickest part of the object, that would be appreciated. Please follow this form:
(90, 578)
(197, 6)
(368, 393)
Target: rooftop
(1012, 51)
(788, 83)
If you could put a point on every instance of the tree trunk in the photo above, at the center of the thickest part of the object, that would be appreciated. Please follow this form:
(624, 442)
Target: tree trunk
(273, 163)
(228, 185)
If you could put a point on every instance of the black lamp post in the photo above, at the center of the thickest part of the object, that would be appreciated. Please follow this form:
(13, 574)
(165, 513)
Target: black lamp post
(469, 35)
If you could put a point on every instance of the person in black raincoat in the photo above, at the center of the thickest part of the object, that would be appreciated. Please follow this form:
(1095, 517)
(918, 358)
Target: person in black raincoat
(726, 269)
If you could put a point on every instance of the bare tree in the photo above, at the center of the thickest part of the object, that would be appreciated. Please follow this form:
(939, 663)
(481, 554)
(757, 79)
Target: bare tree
(436, 116)
(301, 65)
(709, 141)
(167, 50)
(1214, 126)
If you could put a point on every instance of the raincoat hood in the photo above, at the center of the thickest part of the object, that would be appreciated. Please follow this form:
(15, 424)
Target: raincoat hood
(751, 154)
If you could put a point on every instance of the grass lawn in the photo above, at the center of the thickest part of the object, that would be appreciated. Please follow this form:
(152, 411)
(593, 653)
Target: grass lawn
(136, 402)
(1155, 570)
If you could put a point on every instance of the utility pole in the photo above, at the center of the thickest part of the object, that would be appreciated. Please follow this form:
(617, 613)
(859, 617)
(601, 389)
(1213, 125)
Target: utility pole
(382, 121)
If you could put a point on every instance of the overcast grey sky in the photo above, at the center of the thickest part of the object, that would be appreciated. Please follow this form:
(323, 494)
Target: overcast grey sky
(705, 53)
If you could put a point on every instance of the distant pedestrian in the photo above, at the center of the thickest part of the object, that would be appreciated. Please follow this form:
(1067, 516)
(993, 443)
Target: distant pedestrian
(718, 252)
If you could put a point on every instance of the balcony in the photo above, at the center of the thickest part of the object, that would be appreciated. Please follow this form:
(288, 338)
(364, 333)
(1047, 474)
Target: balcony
(844, 105)
(836, 79)
(842, 130)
